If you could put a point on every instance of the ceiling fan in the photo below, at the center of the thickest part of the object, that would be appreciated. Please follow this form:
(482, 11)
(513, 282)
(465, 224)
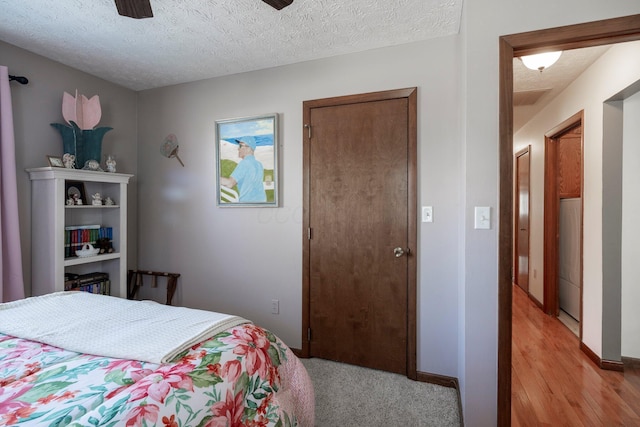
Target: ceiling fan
(142, 8)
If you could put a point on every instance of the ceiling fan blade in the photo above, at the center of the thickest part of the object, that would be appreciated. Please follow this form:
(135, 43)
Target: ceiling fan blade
(278, 4)
(137, 9)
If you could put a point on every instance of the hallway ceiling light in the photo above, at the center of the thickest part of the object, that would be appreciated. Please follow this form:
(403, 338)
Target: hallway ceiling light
(540, 61)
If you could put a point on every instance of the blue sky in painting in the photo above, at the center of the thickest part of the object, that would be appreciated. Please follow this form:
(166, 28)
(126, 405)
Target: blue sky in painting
(261, 130)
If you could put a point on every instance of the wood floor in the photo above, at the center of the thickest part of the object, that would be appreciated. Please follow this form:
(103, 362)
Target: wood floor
(555, 384)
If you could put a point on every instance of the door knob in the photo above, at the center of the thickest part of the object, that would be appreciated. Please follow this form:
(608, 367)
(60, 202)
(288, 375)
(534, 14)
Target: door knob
(398, 252)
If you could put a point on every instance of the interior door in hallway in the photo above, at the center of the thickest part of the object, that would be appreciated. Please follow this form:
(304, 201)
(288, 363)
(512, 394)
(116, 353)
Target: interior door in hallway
(359, 246)
(569, 146)
(521, 264)
(563, 180)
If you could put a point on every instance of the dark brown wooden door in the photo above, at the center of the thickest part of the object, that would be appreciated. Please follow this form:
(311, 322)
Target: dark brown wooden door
(522, 220)
(570, 163)
(358, 214)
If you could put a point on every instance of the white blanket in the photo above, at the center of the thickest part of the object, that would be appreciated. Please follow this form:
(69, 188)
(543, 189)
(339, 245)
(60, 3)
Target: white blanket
(109, 326)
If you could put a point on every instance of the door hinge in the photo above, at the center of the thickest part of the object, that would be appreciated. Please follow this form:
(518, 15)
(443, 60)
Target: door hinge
(308, 126)
(309, 334)
(309, 233)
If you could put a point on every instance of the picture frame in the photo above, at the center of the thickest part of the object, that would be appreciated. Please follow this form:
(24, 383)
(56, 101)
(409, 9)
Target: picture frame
(245, 147)
(75, 191)
(55, 161)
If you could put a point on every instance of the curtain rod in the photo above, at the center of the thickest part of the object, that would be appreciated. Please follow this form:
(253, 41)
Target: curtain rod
(20, 79)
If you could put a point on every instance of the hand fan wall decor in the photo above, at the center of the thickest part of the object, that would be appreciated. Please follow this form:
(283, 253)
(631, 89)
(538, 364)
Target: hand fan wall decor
(169, 148)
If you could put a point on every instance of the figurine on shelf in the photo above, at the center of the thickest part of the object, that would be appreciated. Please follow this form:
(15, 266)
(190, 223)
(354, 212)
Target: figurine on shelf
(75, 197)
(92, 165)
(109, 201)
(105, 245)
(70, 201)
(69, 161)
(97, 199)
(110, 163)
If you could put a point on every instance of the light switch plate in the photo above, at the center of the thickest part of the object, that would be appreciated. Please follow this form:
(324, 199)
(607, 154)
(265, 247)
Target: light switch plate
(427, 214)
(482, 218)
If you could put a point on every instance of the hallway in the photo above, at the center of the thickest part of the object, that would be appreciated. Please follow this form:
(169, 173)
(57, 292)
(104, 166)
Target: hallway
(555, 384)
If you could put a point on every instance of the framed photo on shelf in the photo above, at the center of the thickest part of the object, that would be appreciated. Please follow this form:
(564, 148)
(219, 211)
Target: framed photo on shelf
(247, 161)
(55, 162)
(75, 193)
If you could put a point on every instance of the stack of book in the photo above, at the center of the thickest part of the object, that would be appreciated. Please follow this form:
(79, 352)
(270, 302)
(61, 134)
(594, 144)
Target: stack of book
(96, 283)
(76, 236)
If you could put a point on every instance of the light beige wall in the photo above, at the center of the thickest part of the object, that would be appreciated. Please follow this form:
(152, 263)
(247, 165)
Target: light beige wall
(616, 69)
(39, 103)
(239, 259)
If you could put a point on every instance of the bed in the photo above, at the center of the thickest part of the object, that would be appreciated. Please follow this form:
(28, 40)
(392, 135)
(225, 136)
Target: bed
(80, 359)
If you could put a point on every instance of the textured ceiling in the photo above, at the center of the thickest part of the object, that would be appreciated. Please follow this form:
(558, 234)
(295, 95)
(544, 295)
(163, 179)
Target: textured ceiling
(190, 40)
(570, 64)
(550, 82)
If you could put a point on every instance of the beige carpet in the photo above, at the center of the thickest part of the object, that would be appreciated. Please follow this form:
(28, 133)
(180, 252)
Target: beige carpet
(353, 396)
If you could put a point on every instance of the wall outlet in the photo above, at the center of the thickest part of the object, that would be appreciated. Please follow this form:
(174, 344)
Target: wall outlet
(275, 306)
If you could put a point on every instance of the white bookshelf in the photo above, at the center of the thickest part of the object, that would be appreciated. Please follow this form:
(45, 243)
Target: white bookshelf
(50, 215)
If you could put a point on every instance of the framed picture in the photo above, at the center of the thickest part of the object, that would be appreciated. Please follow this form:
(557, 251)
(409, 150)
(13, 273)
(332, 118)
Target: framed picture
(247, 157)
(56, 162)
(75, 193)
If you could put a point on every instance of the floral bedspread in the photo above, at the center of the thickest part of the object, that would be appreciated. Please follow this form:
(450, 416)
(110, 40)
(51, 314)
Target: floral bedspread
(236, 378)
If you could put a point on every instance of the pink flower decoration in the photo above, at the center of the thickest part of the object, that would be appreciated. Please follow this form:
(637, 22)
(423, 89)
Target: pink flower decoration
(232, 370)
(251, 342)
(228, 412)
(158, 385)
(84, 112)
(143, 412)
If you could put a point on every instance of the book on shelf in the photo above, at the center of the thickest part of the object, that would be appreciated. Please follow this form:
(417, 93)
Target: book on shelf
(96, 283)
(76, 236)
(81, 227)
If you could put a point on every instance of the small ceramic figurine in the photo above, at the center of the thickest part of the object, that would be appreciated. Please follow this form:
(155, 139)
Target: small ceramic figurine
(69, 161)
(76, 199)
(92, 165)
(110, 163)
(97, 199)
(109, 202)
(70, 201)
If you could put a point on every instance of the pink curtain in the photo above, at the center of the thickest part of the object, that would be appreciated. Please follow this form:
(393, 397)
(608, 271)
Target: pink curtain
(11, 260)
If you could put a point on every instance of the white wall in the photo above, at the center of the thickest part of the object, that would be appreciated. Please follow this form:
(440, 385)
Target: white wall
(616, 69)
(239, 259)
(631, 227)
(38, 104)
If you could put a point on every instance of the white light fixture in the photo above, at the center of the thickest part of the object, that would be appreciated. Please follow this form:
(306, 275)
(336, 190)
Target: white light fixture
(540, 61)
